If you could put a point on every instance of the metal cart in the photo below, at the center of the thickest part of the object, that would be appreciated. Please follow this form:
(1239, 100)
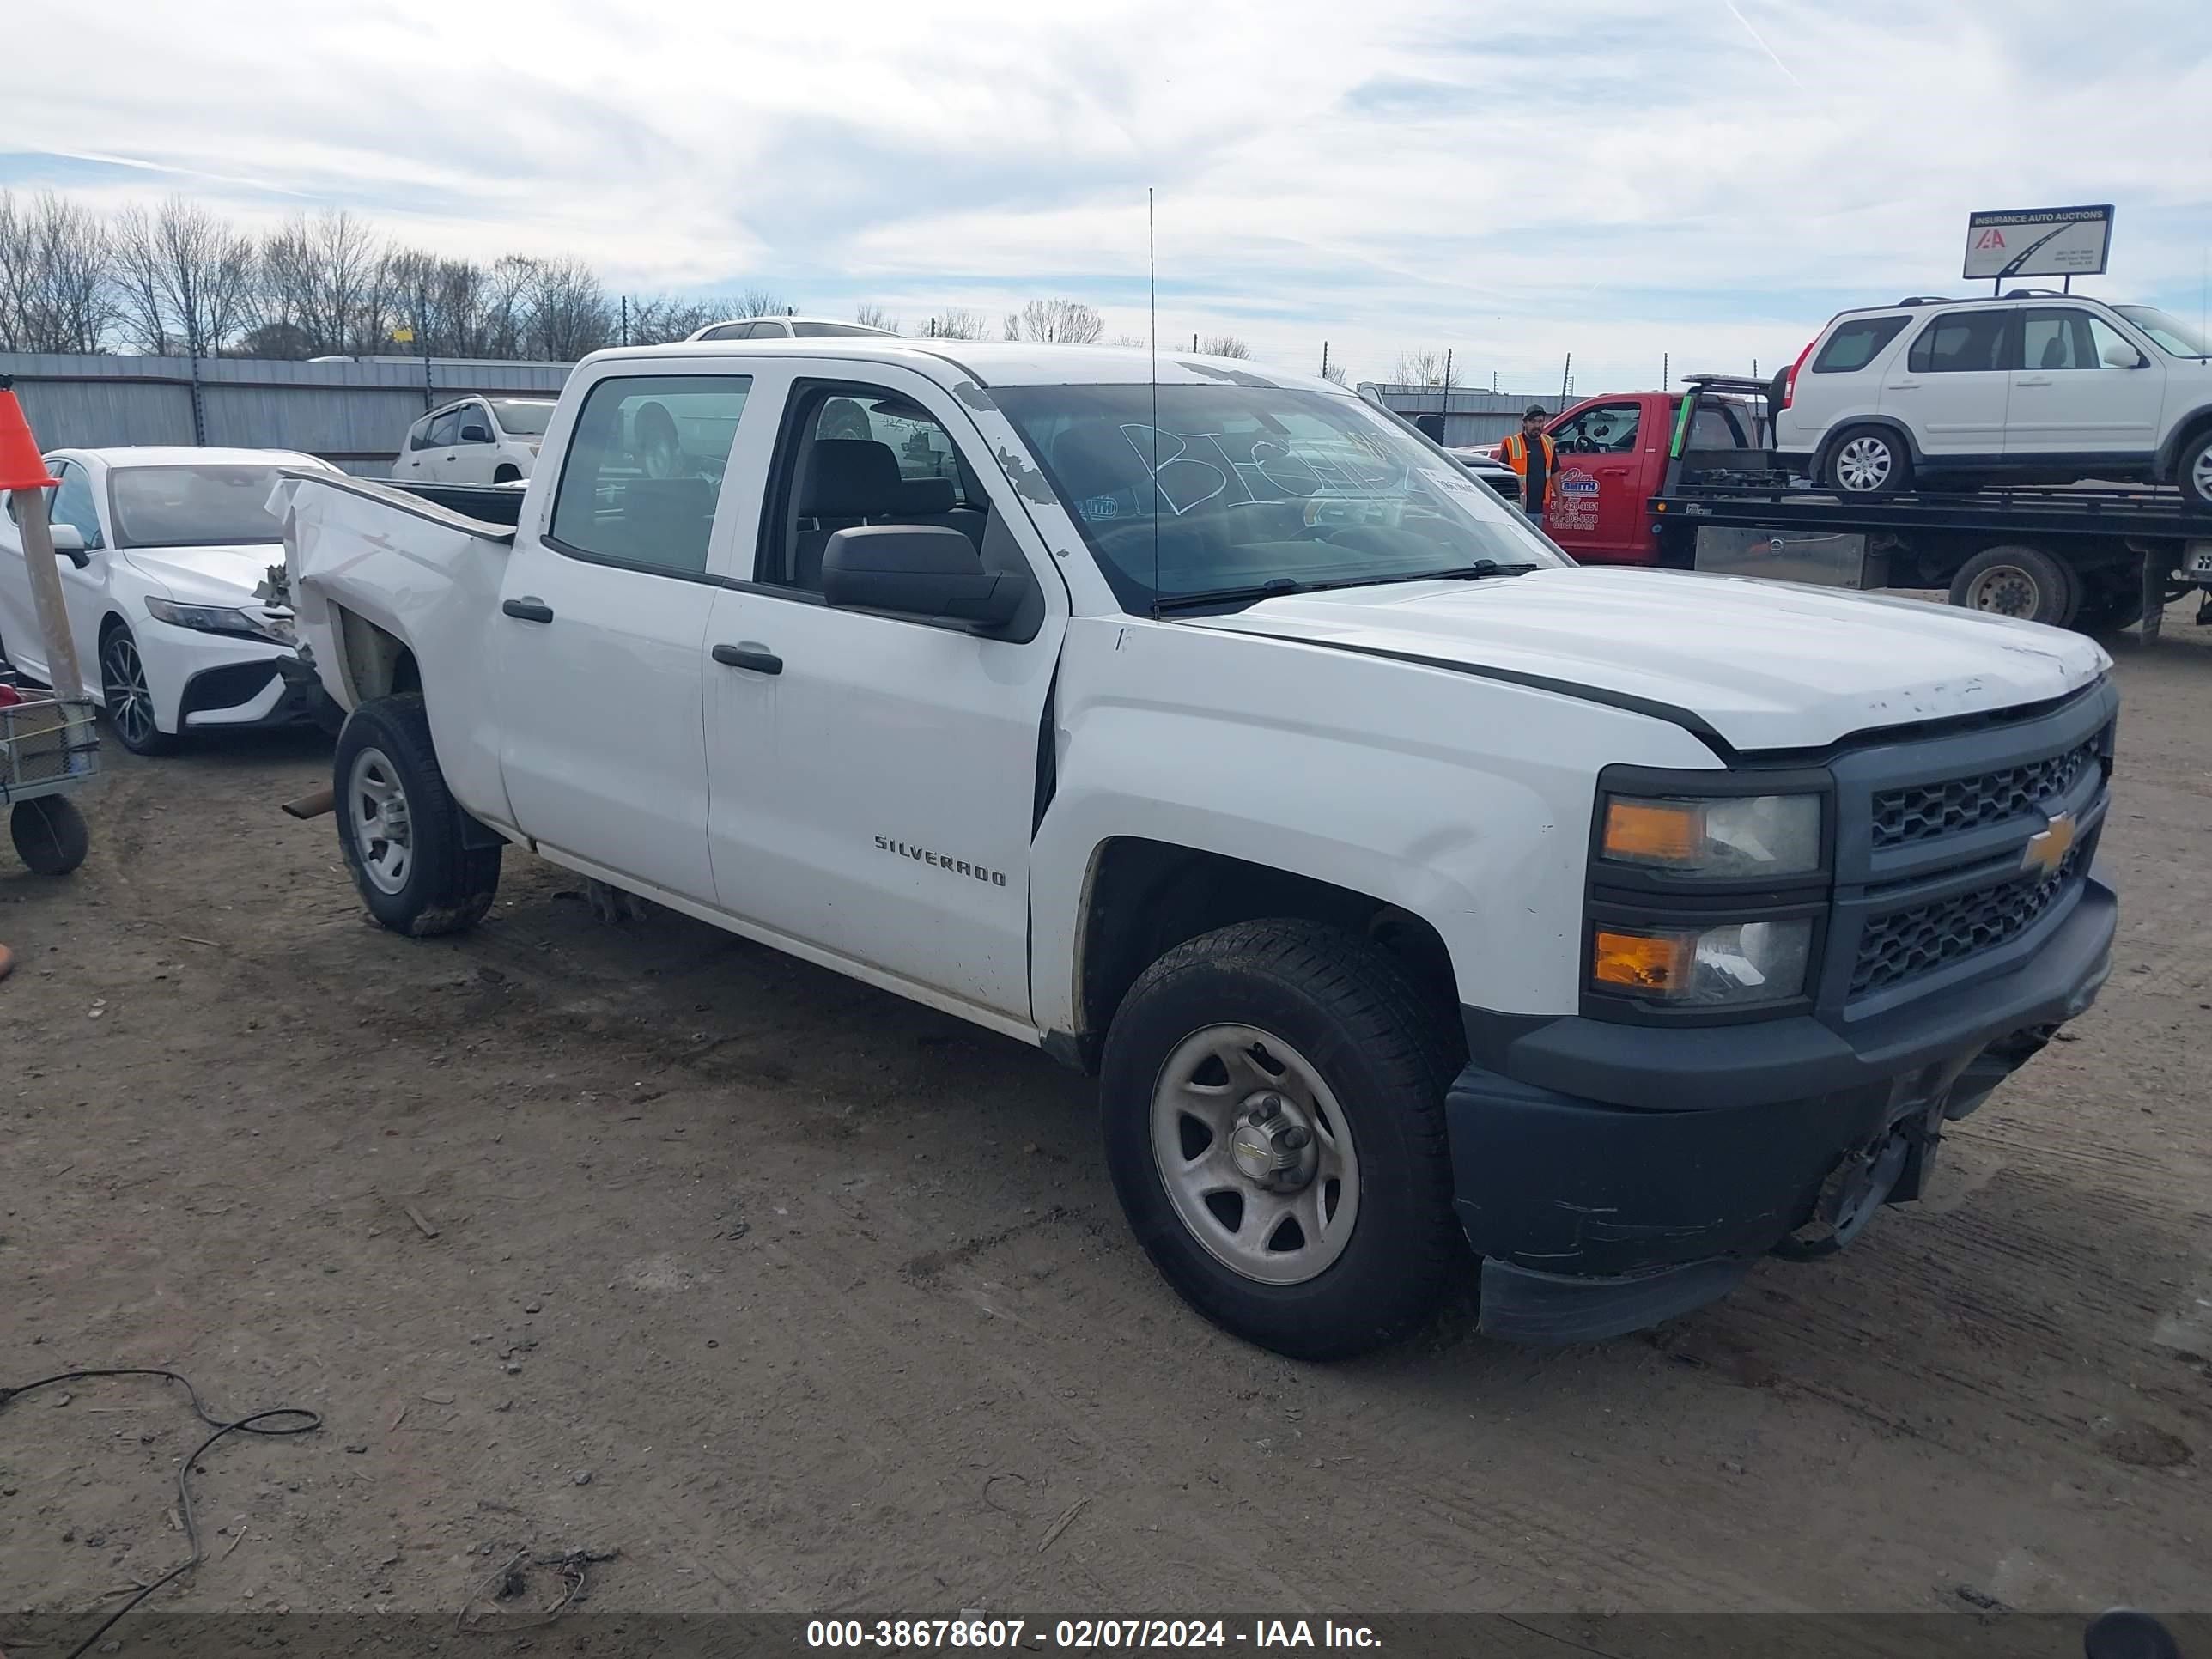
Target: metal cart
(48, 747)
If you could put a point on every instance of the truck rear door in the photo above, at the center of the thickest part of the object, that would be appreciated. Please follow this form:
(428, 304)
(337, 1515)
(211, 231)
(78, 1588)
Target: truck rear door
(1611, 452)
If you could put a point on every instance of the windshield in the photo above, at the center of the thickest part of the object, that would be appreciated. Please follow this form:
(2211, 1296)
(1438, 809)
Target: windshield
(193, 505)
(521, 418)
(2175, 336)
(1258, 485)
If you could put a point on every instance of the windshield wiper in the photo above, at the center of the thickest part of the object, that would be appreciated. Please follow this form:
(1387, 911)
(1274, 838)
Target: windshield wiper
(1274, 587)
(1466, 573)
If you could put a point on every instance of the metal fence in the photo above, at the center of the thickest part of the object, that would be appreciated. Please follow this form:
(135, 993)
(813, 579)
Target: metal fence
(354, 414)
(1470, 416)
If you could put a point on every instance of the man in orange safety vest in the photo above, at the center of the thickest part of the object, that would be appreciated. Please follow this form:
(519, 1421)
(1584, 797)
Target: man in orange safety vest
(1530, 454)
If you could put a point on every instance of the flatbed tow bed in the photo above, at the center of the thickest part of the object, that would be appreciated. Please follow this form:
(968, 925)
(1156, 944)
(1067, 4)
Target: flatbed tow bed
(2089, 555)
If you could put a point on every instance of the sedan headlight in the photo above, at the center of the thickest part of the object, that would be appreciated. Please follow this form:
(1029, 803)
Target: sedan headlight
(1740, 962)
(273, 625)
(1730, 837)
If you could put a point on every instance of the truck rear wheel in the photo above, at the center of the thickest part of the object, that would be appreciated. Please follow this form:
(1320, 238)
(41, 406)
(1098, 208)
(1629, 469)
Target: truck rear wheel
(2017, 582)
(400, 828)
(1273, 1094)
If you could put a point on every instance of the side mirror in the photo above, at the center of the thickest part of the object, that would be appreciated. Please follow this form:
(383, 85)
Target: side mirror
(69, 541)
(474, 433)
(2118, 354)
(920, 570)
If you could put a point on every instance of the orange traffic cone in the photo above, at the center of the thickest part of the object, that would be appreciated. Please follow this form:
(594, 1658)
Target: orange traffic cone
(20, 468)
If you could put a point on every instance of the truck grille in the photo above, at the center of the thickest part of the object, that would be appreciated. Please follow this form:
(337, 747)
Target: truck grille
(1906, 943)
(1926, 811)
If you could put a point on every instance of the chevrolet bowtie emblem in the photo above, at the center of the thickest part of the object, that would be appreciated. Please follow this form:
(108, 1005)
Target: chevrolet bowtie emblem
(2046, 852)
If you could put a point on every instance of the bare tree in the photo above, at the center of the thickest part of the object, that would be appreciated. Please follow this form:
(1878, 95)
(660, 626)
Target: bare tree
(188, 278)
(759, 302)
(1225, 345)
(569, 312)
(1125, 340)
(329, 279)
(56, 293)
(1333, 373)
(1424, 367)
(958, 323)
(507, 306)
(1065, 321)
(875, 317)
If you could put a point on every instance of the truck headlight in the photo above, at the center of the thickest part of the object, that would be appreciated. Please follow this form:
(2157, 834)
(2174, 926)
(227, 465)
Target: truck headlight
(275, 626)
(1730, 837)
(1736, 962)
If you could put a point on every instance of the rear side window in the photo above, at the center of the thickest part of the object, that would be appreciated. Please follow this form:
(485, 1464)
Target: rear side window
(731, 331)
(820, 331)
(1856, 343)
(645, 468)
(445, 431)
(1962, 341)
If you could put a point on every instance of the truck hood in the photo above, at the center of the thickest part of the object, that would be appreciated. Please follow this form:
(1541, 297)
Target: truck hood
(209, 575)
(1763, 664)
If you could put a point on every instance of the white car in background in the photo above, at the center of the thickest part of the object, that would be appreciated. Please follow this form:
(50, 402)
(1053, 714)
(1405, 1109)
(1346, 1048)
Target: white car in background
(786, 328)
(163, 552)
(2035, 387)
(475, 440)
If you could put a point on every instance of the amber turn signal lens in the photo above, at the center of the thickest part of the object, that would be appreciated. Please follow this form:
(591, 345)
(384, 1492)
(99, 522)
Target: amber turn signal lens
(1654, 963)
(1655, 831)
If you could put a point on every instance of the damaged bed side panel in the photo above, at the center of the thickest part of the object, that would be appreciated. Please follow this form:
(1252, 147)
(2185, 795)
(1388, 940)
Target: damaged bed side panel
(393, 593)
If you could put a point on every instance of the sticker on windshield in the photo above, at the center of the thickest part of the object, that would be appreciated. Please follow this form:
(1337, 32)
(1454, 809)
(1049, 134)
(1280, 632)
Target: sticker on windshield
(1101, 507)
(1458, 485)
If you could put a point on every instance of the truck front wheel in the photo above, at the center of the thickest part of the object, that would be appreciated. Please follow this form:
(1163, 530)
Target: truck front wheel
(1274, 1102)
(399, 828)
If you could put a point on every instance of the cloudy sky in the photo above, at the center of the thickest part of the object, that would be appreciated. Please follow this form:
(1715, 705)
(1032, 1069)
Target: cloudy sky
(1707, 178)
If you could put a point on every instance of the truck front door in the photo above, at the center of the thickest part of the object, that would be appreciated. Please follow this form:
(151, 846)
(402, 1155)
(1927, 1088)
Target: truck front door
(601, 643)
(874, 776)
(1597, 506)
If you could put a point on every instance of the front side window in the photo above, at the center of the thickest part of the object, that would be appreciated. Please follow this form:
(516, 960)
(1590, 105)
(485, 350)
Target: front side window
(2056, 340)
(1856, 343)
(644, 470)
(1962, 342)
(205, 505)
(474, 426)
(856, 455)
(1607, 428)
(1239, 487)
(523, 417)
(73, 504)
(2109, 349)
(2168, 332)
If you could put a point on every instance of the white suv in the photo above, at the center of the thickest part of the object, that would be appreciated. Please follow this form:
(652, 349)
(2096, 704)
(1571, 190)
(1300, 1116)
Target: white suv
(2034, 387)
(478, 440)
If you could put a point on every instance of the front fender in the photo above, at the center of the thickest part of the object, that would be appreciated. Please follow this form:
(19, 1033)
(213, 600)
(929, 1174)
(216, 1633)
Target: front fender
(1464, 801)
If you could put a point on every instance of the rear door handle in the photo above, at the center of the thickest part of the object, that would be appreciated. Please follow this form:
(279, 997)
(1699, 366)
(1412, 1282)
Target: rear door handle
(529, 608)
(749, 656)
(2044, 381)
(1903, 385)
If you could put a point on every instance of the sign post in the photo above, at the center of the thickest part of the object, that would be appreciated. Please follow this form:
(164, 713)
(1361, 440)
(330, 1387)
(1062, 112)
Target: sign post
(2063, 242)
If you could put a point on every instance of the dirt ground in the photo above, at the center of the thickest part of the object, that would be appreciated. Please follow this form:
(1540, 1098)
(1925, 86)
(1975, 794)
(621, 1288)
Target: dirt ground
(803, 1298)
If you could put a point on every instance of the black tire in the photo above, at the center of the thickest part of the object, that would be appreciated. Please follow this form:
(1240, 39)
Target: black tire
(2018, 581)
(2108, 606)
(1866, 461)
(1387, 1057)
(50, 835)
(2192, 469)
(435, 886)
(124, 696)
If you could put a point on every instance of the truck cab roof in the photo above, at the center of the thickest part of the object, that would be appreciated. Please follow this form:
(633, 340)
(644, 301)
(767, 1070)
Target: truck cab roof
(987, 362)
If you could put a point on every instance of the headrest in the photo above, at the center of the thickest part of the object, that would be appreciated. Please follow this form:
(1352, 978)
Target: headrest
(931, 495)
(850, 478)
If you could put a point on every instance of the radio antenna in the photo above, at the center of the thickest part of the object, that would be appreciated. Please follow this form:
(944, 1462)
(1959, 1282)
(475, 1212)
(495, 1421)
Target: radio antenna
(1152, 282)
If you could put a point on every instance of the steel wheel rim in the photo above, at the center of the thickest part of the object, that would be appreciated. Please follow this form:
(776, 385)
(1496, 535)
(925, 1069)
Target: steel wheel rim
(2200, 476)
(130, 703)
(1203, 1091)
(377, 817)
(2005, 590)
(1862, 463)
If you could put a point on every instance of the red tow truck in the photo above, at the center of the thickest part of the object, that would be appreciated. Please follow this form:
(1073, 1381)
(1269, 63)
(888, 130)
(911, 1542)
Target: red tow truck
(1688, 480)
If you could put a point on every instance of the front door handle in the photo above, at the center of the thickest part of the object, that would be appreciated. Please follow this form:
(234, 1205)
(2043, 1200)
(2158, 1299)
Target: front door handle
(749, 656)
(2044, 381)
(528, 608)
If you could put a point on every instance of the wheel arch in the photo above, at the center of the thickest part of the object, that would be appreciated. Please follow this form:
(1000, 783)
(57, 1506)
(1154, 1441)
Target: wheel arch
(1142, 897)
(2189, 429)
(1837, 431)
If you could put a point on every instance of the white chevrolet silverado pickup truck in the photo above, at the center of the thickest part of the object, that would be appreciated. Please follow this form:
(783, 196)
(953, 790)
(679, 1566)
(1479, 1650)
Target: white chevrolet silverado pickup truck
(1408, 887)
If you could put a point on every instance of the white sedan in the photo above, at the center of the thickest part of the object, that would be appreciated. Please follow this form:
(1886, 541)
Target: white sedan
(162, 553)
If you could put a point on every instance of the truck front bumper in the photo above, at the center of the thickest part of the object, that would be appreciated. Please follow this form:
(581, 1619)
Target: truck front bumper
(1614, 1176)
